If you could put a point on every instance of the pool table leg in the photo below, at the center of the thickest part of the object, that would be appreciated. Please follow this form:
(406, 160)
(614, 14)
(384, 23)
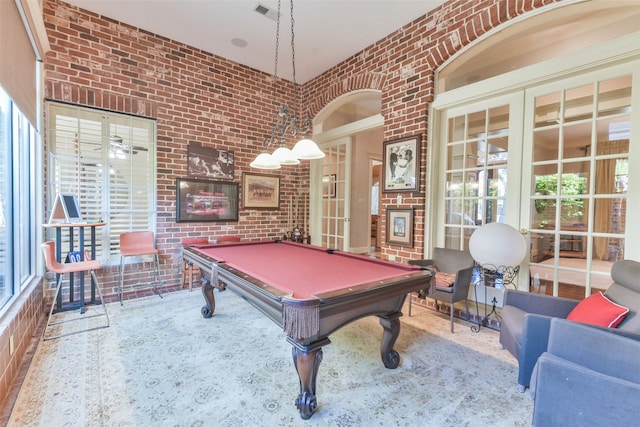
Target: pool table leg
(307, 361)
(210, 306)
(391, 326)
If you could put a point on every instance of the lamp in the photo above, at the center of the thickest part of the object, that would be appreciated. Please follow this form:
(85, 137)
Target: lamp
(498, 249)
(287, 123)
(497, 244)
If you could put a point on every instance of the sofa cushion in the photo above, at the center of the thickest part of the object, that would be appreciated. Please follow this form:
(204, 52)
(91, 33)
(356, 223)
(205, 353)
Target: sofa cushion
(598, 310)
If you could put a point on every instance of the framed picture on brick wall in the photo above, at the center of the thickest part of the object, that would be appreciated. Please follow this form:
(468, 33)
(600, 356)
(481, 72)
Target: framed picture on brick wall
(260, 191)
(401, 161)
(400, 227)
(209, 163)
(202, 201)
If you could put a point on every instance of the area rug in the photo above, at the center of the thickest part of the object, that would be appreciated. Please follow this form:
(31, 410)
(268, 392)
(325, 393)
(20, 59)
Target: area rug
(160, 363)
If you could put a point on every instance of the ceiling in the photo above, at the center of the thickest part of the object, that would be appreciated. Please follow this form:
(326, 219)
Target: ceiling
(326, 31)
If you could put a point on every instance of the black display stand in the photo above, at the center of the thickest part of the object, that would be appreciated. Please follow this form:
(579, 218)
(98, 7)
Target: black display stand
(494, 277)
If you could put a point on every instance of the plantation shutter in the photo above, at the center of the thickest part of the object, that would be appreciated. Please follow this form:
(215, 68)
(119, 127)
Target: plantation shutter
(108, 160)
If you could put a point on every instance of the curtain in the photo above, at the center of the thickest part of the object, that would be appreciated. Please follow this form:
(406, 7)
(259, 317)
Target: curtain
(605, 176)
(22, 42)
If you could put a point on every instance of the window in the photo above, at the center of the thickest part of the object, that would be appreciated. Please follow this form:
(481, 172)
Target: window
(108, 160)
(17, 213)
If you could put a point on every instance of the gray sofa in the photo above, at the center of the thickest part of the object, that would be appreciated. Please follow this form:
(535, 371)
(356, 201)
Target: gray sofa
(526, 317)
(588, 376)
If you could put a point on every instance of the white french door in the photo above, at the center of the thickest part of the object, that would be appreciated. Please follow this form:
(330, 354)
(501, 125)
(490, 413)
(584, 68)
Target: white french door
(479, 164)
(335, 177)
(576, 187)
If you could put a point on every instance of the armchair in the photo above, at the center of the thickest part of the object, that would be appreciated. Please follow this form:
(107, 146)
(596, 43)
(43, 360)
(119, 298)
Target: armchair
(587, 376)
(451, 261)
(526, 317)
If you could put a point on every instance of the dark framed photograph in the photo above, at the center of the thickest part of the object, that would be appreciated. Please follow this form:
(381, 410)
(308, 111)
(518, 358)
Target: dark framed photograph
(202, 201)
(329, 185)
(260, 191)
(209, 163)
(400, 227)
(401, 161)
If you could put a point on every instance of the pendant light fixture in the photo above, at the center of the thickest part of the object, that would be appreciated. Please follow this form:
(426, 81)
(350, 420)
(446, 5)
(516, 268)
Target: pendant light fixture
(287, 121)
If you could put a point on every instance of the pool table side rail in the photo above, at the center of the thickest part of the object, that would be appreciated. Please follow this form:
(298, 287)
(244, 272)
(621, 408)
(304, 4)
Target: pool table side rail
(316, 317)
(398, 284)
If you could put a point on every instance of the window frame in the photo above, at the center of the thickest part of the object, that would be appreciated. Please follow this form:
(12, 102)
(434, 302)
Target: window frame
(108, 206)
(20, 142)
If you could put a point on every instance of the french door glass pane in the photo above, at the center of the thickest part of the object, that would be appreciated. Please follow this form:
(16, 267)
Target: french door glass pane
(578, 103)
(545, 145)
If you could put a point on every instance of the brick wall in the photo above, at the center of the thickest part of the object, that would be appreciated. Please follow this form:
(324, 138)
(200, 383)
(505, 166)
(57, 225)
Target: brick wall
(193, 95)
(19, 332)
(196, 96)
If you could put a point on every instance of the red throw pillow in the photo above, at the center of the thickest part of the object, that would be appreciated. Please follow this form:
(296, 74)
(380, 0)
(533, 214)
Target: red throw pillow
(598, 310)
(445, 279)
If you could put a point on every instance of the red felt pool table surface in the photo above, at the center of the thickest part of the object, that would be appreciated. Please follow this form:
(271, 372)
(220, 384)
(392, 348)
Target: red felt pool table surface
(303, 270)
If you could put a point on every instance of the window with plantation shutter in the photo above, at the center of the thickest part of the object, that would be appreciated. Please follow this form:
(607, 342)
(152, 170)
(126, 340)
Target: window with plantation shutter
(109, 161)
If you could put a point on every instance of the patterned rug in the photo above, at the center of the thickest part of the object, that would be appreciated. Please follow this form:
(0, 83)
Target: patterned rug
(161, 364)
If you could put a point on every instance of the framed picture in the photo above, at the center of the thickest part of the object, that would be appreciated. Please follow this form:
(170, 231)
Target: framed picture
(209, 163)
(401, 164)
(201, 201)
(260, 191)
(329, 185)
(400, 227)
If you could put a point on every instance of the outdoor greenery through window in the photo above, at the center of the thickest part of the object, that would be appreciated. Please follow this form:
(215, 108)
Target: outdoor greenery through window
(571, 185)
(109, 161)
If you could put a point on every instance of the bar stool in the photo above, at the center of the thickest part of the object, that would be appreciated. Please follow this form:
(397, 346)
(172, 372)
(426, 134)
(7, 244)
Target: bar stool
(138, 243)
(188, 269)
(49, 251)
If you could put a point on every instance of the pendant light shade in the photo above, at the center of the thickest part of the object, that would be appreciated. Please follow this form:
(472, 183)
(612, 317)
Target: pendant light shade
(284, 156)
(265, 161)
(306, 149)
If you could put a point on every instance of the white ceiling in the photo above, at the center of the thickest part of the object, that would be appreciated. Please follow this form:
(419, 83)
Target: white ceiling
(326, 31)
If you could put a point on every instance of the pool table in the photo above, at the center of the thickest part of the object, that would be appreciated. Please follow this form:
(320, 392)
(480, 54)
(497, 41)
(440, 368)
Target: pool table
(310, 292)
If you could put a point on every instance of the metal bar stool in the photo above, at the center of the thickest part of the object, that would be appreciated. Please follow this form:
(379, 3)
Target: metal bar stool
(49, 251)
(138, 243)
(188, 269)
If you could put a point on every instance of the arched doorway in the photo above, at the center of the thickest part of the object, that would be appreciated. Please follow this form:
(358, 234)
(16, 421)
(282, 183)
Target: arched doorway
(349, 131)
